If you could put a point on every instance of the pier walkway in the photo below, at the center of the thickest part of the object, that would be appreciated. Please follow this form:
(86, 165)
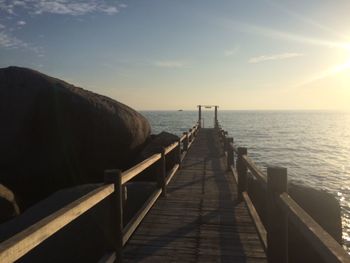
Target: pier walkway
(203, 209)
(200, 220)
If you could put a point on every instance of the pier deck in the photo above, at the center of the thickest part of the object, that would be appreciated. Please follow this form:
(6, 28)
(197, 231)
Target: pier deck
(200, 220)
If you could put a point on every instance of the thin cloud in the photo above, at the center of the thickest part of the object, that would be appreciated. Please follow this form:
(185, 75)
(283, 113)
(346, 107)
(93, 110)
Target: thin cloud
(273, 57)
(170, 64)
(9, 41)
(12, 9)
(283, 35)
(61, 7)
(231, 52)
(21, 23)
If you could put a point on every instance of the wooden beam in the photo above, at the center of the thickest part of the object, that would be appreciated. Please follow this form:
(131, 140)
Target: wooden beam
(137, 219)
(21, 243)
(171, 173)
(255, 170)
(138, 168)
(259, 226)
(277, 220)
(171, 147)
(328, 248)
(115, 177)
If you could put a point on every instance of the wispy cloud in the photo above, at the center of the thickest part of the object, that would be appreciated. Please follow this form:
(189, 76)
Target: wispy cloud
(10, 41)
(13, 8)
(21, 23)
(170, 64)
(282, 35)
(274, 57)
(63, 7)
(231, 52)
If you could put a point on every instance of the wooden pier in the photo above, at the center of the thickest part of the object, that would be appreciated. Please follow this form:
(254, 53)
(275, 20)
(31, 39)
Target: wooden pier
(200, 220)
(200, 210)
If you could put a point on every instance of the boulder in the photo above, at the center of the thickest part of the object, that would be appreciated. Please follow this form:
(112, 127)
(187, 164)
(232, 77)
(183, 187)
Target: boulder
(87, 238)
(8, 205)
(54, 135)
(155, 145)
(323, 207)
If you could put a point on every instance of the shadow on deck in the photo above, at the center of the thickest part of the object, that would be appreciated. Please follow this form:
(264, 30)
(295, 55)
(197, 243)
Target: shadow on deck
(200, 220)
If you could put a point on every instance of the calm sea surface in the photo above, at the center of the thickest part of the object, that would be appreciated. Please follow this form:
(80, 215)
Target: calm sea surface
(313, 145)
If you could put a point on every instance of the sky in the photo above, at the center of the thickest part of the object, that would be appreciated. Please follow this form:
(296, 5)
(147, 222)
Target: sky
(176, 54)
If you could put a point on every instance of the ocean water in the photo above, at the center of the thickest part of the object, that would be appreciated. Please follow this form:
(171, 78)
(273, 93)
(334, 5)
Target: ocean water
(313, 145)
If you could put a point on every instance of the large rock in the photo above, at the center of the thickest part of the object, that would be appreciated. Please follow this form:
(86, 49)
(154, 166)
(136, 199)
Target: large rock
(323, 207)
(155, 145)
(55, 135)
(8, 205)
(87, 238)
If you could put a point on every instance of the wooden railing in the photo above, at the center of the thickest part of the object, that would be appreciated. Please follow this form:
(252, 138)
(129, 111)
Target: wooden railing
(23, 242)
(281, 208)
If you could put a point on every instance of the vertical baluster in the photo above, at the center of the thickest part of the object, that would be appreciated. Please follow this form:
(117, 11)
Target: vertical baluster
(115, 177)
(277, 224)
(242, 172)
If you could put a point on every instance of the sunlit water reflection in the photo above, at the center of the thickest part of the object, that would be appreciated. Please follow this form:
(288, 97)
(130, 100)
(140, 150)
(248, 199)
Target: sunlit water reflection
(313, 145)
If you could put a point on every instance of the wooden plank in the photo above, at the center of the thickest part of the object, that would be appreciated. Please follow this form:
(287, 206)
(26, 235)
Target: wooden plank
(18, 245)
(200, 220)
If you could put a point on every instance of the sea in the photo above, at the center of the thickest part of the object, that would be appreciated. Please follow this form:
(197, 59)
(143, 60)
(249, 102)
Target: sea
(313, 145)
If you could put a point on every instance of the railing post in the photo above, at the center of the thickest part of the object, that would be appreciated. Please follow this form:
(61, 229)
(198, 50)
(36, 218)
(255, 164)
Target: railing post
(242, 172)
(179, 153)
(115, 177)
(229, 153)
(185, 142)
(277, 225)
(161, 172)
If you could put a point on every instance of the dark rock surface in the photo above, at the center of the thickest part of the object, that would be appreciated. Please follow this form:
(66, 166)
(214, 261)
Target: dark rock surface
(85, 239)
(8, 205)
(155, 145)
(323, 207)
(55, 135)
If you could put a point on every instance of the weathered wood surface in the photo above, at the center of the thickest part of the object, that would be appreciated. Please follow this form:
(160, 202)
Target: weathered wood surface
(201, 219)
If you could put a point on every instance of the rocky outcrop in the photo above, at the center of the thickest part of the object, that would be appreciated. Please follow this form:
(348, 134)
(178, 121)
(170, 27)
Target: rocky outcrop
(155, 145)
(320, 205)
(55, 135)
(8, 205)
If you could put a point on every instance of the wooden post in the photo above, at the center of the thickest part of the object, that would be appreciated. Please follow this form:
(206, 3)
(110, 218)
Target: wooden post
(242, 172)
(190, 135)
(185, 142)
(216, 117)
(179, 153)
(162, 173)
(225, 141)
(200, 115)
(229, 153)
(277, 224)
(115, 177)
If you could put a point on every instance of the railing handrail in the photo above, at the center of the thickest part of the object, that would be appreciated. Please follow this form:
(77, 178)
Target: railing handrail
(139, 168)
(21, 243)
(24, 241)
(320, 239)
(327, 247)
